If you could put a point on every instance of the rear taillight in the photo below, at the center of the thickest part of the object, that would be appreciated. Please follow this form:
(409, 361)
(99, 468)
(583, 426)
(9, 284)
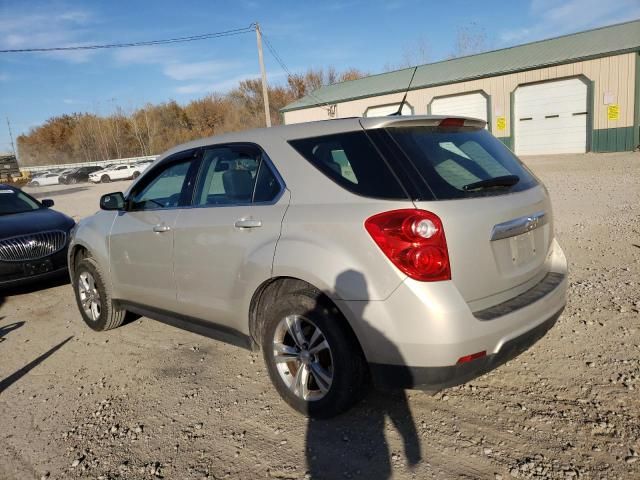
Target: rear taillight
(414, 241)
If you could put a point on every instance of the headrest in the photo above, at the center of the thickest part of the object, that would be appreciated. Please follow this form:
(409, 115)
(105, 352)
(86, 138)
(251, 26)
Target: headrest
(238, 184)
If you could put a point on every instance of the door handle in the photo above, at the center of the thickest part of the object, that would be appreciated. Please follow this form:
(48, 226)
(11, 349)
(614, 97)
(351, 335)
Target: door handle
(161, 228)
(247, 223)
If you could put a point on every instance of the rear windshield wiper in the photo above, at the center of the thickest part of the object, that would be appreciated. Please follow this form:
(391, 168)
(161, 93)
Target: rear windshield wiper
(503, 181)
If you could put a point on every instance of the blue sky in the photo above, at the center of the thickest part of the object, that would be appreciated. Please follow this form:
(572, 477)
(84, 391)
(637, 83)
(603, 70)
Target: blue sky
(365, 34)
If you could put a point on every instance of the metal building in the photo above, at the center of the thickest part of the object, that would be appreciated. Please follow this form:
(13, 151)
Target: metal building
(570, 94)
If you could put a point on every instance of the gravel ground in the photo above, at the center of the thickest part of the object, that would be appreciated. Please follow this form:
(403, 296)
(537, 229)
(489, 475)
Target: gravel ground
(150, 401)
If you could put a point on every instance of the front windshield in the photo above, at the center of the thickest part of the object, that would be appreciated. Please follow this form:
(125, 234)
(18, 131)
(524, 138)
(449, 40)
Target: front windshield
(15, 201)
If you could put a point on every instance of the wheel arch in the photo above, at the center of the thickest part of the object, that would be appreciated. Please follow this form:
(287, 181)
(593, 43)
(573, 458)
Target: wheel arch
(267, 293)
(76, 254)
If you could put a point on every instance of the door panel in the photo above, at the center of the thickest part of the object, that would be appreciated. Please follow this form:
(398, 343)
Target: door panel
(219, 265)
(142, 259)
(224, 245)
(141, 240)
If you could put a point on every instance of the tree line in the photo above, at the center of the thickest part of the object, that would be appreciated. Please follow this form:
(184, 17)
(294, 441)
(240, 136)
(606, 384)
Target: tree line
(154, 128)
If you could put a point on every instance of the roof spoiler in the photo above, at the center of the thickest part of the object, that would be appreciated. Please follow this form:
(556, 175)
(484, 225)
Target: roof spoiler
(421, 121)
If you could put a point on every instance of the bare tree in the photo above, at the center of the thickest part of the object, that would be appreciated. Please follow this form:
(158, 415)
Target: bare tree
(154, 128)
(470, 39)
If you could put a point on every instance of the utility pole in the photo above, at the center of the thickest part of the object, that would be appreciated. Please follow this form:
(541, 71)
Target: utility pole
(13, 147)
(265, 94)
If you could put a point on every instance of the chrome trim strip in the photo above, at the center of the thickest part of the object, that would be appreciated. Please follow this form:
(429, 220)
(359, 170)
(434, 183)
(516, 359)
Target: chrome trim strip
(519, 226)
(32, 246)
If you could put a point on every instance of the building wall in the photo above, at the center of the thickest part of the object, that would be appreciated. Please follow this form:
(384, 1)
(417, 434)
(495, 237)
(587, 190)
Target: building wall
(614, 75)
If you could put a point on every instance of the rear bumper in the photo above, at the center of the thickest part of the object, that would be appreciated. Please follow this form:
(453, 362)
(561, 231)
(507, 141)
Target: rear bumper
(417, 335)
(438, 378)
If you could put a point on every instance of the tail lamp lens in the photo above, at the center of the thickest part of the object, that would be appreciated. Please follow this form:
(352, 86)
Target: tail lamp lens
(414, 241)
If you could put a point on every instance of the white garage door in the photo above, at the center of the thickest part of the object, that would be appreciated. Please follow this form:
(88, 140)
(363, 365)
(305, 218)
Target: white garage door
(385, 110)
(466, 105)
(551, 117)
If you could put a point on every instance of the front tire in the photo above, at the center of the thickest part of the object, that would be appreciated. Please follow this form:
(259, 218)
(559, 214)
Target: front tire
(105, 179)
(135, 175)
(313, 358)
(94, 299)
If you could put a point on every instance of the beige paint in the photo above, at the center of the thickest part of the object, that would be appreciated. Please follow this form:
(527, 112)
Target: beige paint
(615, 74)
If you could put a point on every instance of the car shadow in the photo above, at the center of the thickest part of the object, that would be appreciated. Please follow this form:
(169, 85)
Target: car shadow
(18, 374)
(30, 287)
(354, 443)
(5, 329)
(47, 193)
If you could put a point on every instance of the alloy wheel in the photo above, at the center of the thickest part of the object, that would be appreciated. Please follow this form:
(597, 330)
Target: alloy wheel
(303, 357)
(89, 296)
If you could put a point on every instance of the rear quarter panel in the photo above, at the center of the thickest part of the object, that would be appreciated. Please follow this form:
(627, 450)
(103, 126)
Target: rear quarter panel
(328, 246)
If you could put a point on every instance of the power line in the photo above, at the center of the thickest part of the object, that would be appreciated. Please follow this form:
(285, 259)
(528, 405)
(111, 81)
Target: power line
(192, 38)
(323, 104)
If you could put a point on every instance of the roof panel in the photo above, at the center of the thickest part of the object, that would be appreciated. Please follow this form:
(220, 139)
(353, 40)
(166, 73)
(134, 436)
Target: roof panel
(619, 38)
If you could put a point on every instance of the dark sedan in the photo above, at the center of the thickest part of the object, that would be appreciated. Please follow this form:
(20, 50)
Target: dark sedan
(78, 175)
(33, 238)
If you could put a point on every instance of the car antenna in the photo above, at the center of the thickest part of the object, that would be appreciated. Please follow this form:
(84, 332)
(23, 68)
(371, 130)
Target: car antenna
(404, 99)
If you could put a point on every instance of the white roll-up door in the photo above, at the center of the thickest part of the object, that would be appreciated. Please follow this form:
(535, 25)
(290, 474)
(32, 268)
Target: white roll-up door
(466, 105)
(386, 110)
(551, 117)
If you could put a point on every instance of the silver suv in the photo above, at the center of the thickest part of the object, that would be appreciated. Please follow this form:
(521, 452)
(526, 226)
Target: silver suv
(416, 252)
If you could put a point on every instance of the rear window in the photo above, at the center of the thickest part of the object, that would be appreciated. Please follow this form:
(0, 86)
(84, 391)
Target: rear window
(351, 160)
(457, 162)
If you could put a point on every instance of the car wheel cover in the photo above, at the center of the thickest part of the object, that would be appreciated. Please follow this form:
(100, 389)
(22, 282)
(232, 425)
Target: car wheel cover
(303, 357)
(89, 296)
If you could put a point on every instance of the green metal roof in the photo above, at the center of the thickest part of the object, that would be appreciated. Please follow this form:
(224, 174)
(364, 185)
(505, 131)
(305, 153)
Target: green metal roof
(614, 39)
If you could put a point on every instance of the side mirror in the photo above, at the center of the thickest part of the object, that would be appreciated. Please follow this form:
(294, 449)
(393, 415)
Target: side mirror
(112, 201)
(47, 203)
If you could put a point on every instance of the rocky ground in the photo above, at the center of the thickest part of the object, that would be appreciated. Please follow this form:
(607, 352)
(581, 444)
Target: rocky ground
(149, 401)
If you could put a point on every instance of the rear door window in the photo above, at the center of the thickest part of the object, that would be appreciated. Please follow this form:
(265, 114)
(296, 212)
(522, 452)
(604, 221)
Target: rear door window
(235, 175)
(451, 160)
(353, 162)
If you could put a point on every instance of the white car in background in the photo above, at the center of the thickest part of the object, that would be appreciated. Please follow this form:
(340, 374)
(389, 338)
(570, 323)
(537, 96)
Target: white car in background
(45, 179)
(116, 172)
(140, 167)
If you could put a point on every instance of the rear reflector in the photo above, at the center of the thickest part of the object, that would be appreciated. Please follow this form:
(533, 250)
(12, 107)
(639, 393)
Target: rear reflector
(473, 356)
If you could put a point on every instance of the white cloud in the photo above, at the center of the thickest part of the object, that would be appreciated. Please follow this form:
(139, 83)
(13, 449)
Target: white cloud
(146, 55)
(551, 18)
(198, 70)
(47, 29)
(222, 85)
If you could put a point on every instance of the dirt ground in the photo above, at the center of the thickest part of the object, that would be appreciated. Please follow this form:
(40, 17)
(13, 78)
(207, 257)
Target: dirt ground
(150, 401)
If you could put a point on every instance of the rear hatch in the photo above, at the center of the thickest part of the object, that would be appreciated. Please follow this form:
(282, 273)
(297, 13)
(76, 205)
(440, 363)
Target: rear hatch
(495, 213)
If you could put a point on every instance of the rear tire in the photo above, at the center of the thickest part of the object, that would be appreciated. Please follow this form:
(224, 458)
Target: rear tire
(35, 184)
(135, 175)
(318, 383)
(105, 179)
(94, 298)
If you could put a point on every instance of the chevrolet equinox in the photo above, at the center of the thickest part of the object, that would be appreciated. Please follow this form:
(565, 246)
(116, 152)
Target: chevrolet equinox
(415, 252)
